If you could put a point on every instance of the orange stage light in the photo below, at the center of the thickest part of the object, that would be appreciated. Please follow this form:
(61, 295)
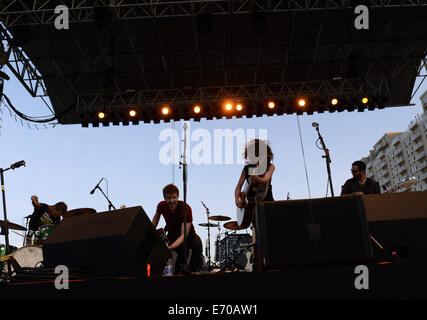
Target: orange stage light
(228, 107)
(197, 109)
(334, 102)
(101, 115)
(271, 105)
(365, 100)
(165, 111)
(239, 107)
(302, 103)
(132, 113)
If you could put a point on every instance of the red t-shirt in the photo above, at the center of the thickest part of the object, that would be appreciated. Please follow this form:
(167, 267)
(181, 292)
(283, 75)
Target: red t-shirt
(175, 223)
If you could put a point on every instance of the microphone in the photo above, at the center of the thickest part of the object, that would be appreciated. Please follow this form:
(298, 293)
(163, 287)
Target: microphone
(315, 124)
(93, 190)
(17, 164)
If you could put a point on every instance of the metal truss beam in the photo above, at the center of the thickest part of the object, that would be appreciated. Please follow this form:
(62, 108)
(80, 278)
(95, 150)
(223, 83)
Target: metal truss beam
(29, 12)
(346, 89)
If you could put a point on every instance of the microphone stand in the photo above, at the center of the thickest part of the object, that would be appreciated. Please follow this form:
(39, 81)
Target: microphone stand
(208, 249)
(327, 158)
(5, 229)
(110, 205)
(184, 178)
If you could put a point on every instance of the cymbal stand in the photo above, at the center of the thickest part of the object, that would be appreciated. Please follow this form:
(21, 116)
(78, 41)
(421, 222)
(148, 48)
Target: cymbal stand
(208, 244)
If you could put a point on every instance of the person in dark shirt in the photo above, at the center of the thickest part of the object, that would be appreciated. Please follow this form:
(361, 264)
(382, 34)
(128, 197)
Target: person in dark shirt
(258, 173)
(172, 211)
(360, 184)
(45, 215)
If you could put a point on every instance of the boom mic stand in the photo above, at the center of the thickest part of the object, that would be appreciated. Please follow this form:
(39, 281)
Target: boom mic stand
(110, 205)
(326, 156)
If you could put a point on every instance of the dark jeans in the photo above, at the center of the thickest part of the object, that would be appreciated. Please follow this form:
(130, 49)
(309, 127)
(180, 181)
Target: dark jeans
(196, 263)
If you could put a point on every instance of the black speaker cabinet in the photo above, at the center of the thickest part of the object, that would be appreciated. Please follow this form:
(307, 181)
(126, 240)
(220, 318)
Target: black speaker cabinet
(313, 232)
(398, 221)
(113, 243)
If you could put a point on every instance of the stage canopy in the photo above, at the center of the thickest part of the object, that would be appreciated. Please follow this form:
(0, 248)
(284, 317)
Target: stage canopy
(147, 55)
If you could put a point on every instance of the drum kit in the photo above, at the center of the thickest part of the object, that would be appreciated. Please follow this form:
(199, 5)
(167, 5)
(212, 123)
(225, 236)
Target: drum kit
(31, 254)
(232, 251)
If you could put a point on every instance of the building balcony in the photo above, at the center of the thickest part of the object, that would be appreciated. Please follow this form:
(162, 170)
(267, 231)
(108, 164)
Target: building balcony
(395, 141)
(422, 165)
(423, 177)
(380, 146)
(416, 136)
(402, 169)
(399, 160)
(413, 124)
(398, 151)
(417, 146)
(420, 156)
(381, 154)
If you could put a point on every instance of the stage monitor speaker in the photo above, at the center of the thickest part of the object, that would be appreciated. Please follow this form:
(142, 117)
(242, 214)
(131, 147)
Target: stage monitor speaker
(313, 232)
(113, 243)
(398, 221)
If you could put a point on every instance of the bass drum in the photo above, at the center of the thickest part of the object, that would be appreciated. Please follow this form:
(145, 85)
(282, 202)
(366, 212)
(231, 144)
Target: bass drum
(243, 253)
(27, 257)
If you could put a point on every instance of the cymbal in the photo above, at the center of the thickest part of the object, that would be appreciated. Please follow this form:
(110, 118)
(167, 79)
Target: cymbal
(219, 218)
(79, 212)
(210, 225)
(13, 226)
(232, 225)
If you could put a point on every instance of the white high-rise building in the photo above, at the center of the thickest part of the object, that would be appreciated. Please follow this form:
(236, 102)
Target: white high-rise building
(401, 156)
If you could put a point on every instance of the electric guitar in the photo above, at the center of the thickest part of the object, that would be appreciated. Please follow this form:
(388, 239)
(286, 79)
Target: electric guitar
(252, 193)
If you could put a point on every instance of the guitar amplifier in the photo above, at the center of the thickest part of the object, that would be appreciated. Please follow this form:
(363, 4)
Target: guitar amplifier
(313, 232)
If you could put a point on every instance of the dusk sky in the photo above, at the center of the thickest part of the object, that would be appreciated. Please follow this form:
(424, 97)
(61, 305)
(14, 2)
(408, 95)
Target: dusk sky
(66, 161)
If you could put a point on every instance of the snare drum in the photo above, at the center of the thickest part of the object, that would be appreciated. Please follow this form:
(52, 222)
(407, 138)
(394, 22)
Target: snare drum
(27, 257)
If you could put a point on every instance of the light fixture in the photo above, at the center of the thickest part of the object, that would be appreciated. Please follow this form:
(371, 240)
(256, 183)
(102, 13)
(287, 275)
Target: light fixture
(165, 110)
(271, 105)
(197, 109)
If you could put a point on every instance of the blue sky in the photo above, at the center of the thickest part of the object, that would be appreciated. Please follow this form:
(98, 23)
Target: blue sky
(65, 162)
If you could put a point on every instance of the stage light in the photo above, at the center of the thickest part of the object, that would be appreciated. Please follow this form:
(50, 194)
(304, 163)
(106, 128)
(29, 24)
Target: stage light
(228, 107)
(334, 101)
(132, 113)
(271, 105)
(101, 115)
(197, 109)
(239, 107)
(302, 103)
(165, 111)
(365, 100)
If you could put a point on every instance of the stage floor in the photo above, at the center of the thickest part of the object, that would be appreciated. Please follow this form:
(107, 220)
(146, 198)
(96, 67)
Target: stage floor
(405, 280)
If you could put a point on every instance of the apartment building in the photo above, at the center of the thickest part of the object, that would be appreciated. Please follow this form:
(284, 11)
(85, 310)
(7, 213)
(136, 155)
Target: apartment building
(401, 156)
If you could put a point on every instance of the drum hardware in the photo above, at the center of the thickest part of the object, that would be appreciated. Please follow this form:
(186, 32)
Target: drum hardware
(13, 226)
(233, 252)
(208, 243)
(233, 225)
(208, 225)
(219, 218)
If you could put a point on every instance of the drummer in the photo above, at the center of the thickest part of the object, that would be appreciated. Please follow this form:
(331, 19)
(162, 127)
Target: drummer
(45, 215)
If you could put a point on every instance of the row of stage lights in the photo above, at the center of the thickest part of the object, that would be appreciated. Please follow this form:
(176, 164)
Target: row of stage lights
(229, 107)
